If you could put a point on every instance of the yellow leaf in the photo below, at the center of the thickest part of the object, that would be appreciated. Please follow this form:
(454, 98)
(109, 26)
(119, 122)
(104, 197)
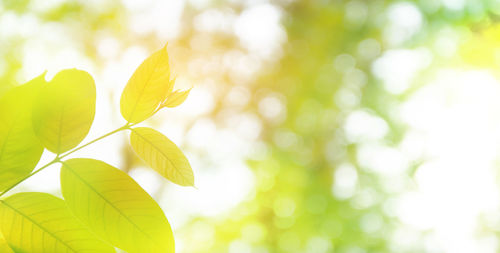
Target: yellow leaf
(64, 110)
(175, 98)
(41, 223)
(115, 207)
(4, 247)
(20, 149)
(162, 155)
(147, 88)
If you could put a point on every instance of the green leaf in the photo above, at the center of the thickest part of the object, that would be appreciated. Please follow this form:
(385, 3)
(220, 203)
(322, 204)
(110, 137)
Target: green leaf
(40, 222)
(115, 207)
(64, 110)
(20, 149)
(162, 155)
(175, 98)
(147, 88)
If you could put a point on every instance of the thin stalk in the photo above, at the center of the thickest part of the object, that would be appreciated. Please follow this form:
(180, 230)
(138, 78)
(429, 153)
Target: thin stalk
(126, 126)
(59, 157)
(31, 174)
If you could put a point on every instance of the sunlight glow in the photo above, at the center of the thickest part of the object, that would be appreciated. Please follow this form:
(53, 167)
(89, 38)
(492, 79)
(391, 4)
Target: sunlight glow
(456, 113)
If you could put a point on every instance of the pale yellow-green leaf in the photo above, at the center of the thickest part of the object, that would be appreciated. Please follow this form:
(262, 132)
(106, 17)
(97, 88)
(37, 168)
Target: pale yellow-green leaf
(64, 110)
(162, 155)
(4, 247)
(115, 207)
(175, 98)
(41, 223)
(147, 88)
(20, 149)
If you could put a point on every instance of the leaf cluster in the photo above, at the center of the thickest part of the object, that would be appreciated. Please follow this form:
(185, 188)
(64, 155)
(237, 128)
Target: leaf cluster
(102, 208)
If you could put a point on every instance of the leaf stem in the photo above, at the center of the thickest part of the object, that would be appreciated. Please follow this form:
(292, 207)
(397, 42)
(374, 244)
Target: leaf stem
(126, 126)
(31, 174)
(59, 156)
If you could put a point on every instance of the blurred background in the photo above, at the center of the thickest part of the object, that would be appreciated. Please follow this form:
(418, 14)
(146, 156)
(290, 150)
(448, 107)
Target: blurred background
(313, 126)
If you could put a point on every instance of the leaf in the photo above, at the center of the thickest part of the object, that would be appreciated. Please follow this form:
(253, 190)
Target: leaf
(162, 155)
(115, 207)
(20, 149)
(4, 247)
(175, 98)
(5, 87)
(64, 110)
(147, 88)
(40, 222)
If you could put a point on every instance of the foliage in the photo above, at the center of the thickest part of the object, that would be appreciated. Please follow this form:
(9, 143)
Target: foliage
(103, 207)
(326, 70)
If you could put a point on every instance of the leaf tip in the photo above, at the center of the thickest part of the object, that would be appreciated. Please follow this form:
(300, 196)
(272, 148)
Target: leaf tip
(41, 77)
